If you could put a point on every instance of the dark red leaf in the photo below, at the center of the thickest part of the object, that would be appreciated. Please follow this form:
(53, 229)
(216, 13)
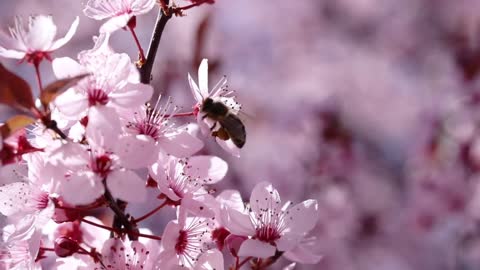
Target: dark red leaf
(15, 91)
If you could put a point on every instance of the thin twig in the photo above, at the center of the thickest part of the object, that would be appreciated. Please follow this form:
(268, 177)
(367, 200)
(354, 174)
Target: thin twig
(146, 69)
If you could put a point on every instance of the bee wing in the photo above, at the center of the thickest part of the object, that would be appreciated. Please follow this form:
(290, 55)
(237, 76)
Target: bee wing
(235, 128)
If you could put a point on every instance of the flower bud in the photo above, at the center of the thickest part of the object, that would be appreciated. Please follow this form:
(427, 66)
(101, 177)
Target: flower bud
(65, 246)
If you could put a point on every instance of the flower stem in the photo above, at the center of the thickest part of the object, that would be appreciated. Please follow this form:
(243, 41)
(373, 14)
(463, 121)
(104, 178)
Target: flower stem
(180, 114)
(39, 78)
(162, 19)
(120, 219)
(192, 5)
(139, 46)
(99, 225)
(147, 215)
(238, 265)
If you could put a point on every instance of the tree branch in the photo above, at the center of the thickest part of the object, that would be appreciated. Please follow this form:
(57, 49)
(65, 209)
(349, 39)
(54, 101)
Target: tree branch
(162, 19)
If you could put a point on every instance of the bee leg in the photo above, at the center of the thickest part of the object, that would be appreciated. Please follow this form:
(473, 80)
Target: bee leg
(214, 126)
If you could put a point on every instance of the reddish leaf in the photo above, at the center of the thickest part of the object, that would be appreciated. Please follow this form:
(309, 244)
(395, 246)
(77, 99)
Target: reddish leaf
(14, 124)
(56, 88)
(15, 91)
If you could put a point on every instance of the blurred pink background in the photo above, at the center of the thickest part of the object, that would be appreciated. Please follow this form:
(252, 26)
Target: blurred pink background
(369, 106)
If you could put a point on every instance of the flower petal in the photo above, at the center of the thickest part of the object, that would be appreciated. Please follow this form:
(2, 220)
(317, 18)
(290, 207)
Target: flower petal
(209, 169)
(238, 223)
(195, 91)
(256, 249)
(180, 144)
(303, 254)
(103, 128)
(136, 151)
(131, 95)
(65, 67)
(91, 188)
(301, 218)
(126, 185)
(115, 23)
(210, 260)
(41, 33)
(13, 197)
(203, 77)
(62, 41)
(265, 196)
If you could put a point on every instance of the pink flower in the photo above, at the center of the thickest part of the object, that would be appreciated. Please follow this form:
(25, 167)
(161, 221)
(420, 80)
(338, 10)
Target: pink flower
(119, 12)
(184, 241)
(184, 181)
(112, 156)
(270, 226)
(220, 93)
(156, 124)
(116, 254)
(35, 43)
(115, 82)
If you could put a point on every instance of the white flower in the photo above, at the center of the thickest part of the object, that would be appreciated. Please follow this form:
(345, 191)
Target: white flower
(119, 12)
(36, 42)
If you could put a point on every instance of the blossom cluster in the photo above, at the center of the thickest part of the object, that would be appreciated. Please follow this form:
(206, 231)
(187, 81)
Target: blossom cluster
(96, 138)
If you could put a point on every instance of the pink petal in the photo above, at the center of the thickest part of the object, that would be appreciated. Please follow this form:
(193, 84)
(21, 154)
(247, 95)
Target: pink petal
(115, 23)
(181, 144)
(13, 197)
(301, 218)
(90, 186)
(210, 260)
(41, 33)
(126, 185)
(238, 223)
(135, 151)
(256, 249)
(113, 253)
(131, 95)
(95, 10)
(170, 235)
(265, 196)
(103, 128)
(199, 206)
(65, 67)
(195, 91)
(231, 199)
(142, 6)
(209, 169)
(203, 77)
(62, 41)
(12, 53)
(71, 104)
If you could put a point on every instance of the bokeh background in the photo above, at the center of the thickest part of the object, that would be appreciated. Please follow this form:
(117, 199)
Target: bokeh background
(369, 106)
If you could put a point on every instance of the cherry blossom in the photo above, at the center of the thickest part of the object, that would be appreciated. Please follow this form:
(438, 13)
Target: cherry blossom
(270, 225)
(184, 241)
(35, 43)
(112, 157)
(156, 123)
(118, 12)
(220, 93)
(184, 181)
(114, 82)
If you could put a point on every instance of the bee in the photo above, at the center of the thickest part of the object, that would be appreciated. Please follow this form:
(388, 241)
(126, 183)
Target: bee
(231, 127)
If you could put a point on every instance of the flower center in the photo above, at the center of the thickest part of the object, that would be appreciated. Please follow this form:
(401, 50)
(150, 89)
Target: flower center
(102, 165)
(41, 201)
(267, 233)
(36, 57)
(182, 242)
(97, 97)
